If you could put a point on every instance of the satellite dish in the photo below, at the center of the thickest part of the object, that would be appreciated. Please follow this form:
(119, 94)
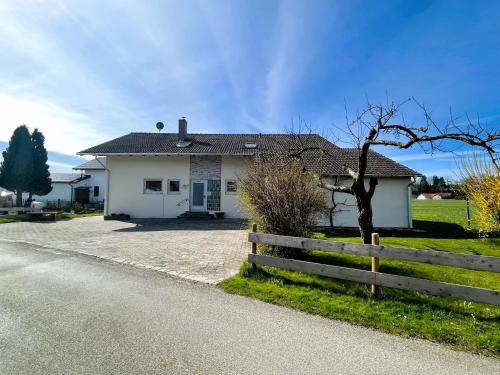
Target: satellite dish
(160, 126)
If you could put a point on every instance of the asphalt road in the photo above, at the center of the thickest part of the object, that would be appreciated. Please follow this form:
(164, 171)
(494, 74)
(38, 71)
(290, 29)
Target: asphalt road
(63, 313)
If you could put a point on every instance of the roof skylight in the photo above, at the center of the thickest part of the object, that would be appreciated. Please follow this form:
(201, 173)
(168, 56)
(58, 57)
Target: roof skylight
(183, 144)
(250, 145)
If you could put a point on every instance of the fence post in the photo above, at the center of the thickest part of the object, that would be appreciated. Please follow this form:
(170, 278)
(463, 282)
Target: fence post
(254, 244)
(375, 264)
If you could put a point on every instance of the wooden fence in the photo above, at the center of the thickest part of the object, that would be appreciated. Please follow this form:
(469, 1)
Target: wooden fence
(377, 279)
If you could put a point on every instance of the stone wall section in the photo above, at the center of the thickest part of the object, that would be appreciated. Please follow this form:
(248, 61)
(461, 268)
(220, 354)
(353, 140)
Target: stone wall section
(207, 167)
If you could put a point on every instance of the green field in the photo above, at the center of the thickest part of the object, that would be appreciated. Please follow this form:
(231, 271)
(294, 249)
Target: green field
(465, 325)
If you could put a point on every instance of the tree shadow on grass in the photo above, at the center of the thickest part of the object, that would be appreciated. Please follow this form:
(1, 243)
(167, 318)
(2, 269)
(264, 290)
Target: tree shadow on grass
(154, 225)
(424, 229)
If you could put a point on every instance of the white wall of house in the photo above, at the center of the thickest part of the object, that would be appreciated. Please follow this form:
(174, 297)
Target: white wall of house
(391, 205)
(60, 191)
(98, 177)
(230, 168)
(126, 185)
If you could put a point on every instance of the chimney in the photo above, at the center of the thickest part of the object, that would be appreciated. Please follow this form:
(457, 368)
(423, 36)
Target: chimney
(183, 124)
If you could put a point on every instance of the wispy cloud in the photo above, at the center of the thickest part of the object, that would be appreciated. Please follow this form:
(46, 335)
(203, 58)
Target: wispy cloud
(450, 156)
(85, 71)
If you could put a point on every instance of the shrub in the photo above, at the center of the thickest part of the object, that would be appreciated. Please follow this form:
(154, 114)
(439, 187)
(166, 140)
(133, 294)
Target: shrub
(481, 184)
(283, 198)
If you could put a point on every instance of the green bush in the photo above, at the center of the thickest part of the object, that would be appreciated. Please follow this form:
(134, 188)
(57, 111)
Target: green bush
(283, 198)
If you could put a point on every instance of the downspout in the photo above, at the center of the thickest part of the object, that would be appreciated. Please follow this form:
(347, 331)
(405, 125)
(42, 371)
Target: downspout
(408, 203)
(106, 203)
(71, 196)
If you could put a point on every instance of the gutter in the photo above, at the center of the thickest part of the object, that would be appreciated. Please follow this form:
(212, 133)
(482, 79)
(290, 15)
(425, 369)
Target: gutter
(106, 203)
(162, 154)
(408, 203)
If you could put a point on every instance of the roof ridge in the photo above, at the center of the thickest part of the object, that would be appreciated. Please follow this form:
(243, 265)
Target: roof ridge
(256, 134)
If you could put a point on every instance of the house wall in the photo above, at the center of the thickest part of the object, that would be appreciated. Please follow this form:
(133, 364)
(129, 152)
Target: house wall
(391, 205)
(230, 203)
(127, 174)
(126, 185)
(60, 191)
(391, 202)
(97, 178)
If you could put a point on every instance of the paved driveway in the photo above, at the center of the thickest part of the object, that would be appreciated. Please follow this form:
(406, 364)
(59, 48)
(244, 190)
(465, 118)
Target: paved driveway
(205, 251)
(67, 314)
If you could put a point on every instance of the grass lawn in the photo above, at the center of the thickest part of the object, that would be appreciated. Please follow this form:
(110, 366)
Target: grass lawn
(5, 220)
(464, 325)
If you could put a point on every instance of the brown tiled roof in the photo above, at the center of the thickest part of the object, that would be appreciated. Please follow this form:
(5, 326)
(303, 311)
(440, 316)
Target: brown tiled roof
(333, 161)
(218, 144)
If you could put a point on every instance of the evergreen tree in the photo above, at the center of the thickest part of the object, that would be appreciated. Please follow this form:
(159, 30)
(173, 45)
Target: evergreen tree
(17, 165)
(438, 184)
(41, 184)
(423, 185)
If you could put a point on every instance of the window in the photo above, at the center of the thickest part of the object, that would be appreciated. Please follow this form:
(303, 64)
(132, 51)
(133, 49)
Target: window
(153, 186)
(231, 187)
(250, 145)
(174, 186)
(96, 191)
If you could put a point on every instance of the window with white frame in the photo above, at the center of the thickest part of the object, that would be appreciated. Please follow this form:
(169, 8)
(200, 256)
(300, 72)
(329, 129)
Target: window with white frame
(231, 187)
(153, 186)
(174, 186)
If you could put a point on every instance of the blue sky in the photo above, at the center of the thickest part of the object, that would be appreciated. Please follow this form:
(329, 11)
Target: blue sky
(84, 72)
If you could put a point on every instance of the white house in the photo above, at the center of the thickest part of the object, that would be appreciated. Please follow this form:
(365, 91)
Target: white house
(93, 188)
(87, 186)
(165, 175)
(63, 185)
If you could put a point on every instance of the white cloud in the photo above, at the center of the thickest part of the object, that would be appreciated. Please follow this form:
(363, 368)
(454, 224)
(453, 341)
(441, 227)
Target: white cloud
(287, 63)
(449, 156)
(58, 165)
(65, 131)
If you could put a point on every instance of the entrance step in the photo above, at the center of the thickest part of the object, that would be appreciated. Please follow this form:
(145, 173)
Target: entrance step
(203, 215)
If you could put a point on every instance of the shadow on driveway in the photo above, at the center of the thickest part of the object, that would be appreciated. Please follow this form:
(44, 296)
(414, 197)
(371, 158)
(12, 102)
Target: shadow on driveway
(152, 225)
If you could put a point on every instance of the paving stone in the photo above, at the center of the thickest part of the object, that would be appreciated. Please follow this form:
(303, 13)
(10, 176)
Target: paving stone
(204, 251)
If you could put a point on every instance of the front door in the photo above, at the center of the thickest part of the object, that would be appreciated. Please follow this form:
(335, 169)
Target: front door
(199, 196)
(82, 195)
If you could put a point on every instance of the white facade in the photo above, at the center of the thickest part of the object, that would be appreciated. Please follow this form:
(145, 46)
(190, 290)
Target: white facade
(126, 186)
(61, 191)
(391, 205)
(127, 194)
(98, 179)
(230, 202)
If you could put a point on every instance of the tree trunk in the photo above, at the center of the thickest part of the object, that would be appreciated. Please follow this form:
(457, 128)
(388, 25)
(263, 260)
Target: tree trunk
(365, 218)
(19, 198)
(30, 199)
(332, 209)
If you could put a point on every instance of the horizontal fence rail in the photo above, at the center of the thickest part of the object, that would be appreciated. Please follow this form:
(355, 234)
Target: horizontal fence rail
(471, 262)
(468, 293)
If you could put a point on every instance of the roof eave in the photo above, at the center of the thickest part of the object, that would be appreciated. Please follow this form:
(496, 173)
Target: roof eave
(162, 154)
(88, 169)
(373, 175)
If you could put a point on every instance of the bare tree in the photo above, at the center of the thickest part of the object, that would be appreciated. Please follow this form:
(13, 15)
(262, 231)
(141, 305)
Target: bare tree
(385, 125)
